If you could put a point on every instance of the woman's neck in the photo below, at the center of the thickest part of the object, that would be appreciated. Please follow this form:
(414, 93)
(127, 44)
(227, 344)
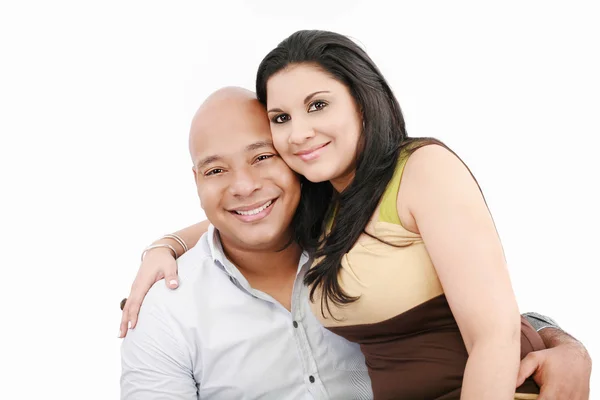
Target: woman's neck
(342, 182)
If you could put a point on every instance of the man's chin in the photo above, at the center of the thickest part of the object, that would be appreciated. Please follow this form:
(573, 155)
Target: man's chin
(258, 239)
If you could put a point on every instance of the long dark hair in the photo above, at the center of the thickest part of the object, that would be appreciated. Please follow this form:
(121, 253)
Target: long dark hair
(380, 143)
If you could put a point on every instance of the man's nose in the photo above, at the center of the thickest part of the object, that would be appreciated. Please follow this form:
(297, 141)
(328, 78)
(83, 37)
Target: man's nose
(245, 182)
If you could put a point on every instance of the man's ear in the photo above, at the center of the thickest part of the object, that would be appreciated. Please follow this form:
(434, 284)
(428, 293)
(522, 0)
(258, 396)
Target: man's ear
(196, 182)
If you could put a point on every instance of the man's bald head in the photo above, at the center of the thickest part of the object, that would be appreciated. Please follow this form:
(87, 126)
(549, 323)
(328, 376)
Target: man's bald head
(228, 110)
(246, 190)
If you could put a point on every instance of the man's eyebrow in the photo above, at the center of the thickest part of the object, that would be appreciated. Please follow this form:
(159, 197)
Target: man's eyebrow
(207, 160)
(259, 145)
(306, 100)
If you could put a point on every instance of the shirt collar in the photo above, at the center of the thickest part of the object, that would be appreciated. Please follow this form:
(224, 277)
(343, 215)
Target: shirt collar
(216, 248)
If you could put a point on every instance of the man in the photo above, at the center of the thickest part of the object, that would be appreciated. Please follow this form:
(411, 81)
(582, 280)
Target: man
(239, 325)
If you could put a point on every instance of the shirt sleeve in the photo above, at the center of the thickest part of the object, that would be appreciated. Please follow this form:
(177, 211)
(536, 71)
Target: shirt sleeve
(539, 321)
(154, 364)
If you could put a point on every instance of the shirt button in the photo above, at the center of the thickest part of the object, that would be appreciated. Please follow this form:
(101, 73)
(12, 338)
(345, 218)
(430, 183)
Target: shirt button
(295, 324)
(311, 379)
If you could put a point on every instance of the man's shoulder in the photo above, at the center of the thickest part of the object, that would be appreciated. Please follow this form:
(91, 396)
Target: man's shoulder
(197, 272)
(197, 260)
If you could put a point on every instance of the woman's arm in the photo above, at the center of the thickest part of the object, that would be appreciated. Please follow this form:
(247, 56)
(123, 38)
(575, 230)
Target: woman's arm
(190, 235)
(446, 207)
(158, 263)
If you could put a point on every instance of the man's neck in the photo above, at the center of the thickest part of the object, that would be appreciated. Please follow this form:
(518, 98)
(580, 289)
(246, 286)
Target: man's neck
(272, 271)
(267, 263)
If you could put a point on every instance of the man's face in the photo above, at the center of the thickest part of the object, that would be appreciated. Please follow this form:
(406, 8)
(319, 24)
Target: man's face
(246, 190)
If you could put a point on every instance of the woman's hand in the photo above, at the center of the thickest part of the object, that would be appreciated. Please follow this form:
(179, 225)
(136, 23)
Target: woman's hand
(158, 264)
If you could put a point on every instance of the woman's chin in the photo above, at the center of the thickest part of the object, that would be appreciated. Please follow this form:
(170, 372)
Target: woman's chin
(318, 173)
(317, 177)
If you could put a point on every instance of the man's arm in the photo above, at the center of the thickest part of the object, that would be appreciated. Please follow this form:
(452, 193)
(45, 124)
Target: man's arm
(154, 364)
(563, 370)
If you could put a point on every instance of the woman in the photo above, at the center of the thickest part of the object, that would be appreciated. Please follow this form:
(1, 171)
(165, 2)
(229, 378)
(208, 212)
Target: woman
(401, 233)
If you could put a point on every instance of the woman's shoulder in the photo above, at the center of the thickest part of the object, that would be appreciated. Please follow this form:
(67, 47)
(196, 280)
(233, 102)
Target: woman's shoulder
(431, 171)
(422, 156)
(433, 164)
(423, 150)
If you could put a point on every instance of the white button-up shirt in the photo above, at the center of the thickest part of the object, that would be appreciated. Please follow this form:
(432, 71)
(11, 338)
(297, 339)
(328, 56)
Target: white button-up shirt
(216, 337)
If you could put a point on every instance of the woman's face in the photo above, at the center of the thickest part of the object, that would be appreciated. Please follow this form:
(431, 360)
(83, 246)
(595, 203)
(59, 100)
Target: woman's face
(315, 123)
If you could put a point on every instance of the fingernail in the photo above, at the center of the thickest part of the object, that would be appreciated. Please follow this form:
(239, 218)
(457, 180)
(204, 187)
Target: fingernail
(129, 325)
(173, 282)
(120, 334)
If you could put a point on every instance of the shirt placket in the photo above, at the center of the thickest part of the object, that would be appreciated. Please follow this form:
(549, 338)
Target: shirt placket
(312, 378)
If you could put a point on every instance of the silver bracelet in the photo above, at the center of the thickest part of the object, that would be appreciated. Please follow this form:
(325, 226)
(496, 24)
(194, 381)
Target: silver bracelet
(177, 239)
(156, 246)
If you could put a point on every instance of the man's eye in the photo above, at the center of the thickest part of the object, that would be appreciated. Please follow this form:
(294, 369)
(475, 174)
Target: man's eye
(214, 172)
(264, 157)
(281, 118)
(317, 106)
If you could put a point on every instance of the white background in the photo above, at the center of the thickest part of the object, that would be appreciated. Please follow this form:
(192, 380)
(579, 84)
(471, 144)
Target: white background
(95, 104)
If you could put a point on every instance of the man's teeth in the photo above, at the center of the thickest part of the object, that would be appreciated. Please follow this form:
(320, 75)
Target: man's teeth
(256, 210)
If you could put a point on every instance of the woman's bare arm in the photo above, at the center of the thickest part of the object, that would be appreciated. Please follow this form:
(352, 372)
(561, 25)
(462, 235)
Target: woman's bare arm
(457, 229)
(190, 235)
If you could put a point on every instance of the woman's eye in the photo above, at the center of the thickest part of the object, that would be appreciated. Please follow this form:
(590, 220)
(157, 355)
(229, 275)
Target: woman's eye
(317, 106)
(281, 118)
